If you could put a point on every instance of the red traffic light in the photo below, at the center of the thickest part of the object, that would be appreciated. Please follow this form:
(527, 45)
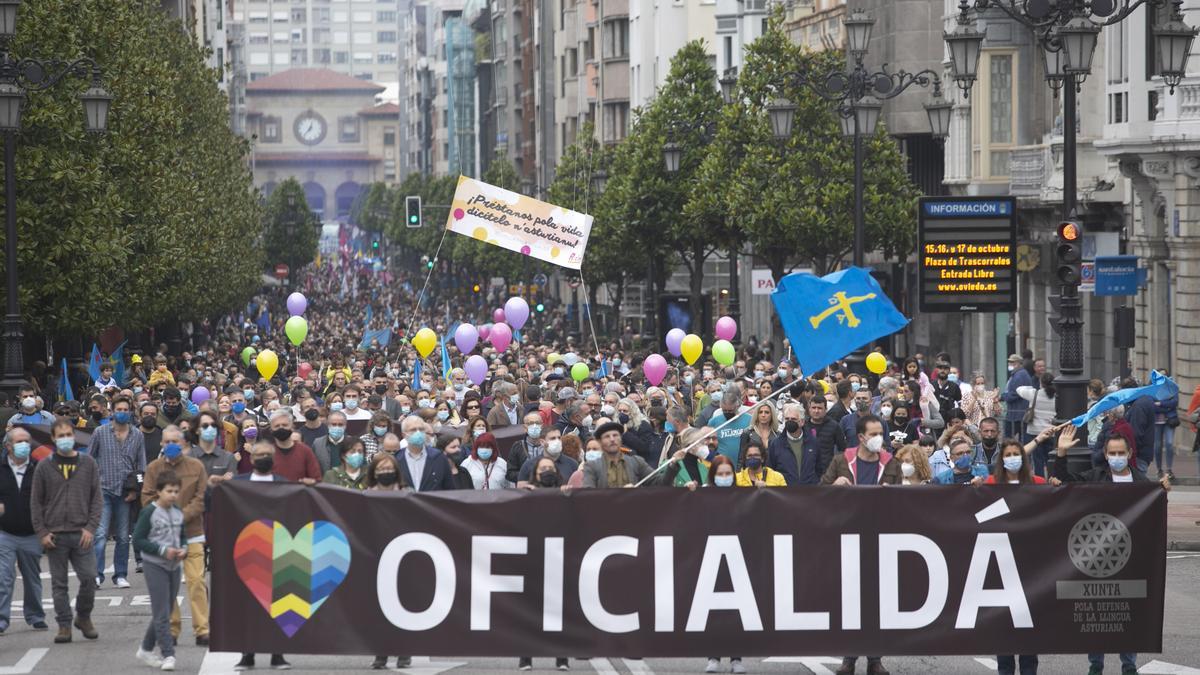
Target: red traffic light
(1069, 231)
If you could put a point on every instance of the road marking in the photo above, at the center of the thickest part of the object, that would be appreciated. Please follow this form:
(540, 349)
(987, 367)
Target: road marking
(990, 664)
(1185, 555)
(603, 667)
(423, 665)
(219, 662)
(27, 663)
(637, 667)
(1164, 668)
(814, 663)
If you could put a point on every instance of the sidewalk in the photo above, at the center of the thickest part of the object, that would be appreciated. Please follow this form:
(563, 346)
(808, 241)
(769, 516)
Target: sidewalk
(1183, 518)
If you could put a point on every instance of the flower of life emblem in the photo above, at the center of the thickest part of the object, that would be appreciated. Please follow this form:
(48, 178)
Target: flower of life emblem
(1099, 545)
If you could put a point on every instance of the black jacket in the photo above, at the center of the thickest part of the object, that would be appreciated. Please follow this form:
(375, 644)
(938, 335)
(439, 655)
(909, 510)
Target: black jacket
(1099, 474)
(17, 519)
(826, 439)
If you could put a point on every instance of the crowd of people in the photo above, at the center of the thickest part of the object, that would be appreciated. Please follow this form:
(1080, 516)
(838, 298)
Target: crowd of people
(359, 414)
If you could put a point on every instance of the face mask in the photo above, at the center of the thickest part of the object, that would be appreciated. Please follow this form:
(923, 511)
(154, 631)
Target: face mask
(591, 455)
(459, 386)
(172, 409)
(754, 463)
(64, 445)
(336, 434)
(671, 390)
(97, 415)
(21, 449)
(656, 403)
(688, 379)
(1118, 463)
(952, 377)
(514, 399)
(886, 411)
(782, 372)
(416, 439)
(424, 403)
(355, 460)
(311, 414)
(863, 407)
(616, 362)
(669, 428)
(758, 374)
(281, 434)
(875, 443)
(381, 389)
(122, 417)
(443, 415)
(250, 433)
(29, 403)
(534, 431)
(404, 409)
(137, 390)
(484, 453)
(172, 450)
(963, 463)
(558, 371)
(351, 403)
(586, 422)
(386, 479)
(379, 431)
(1013, 463)
(336, 406)
(208, 435)
(901, 421)
(908, 469)
(979, 389)
(549, 479)
(238, 408)
(553, 448)
(249, 394)
(623, 418)
(264, 464)
(478, 432)
(792, 426)
(723, 481)
(855, 386)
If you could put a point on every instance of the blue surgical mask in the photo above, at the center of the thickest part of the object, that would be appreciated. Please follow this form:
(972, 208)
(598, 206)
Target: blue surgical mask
(337, 433)
(379, 431)
(669, 428)
(952, 377)
(122, 417)
(782, 372)
(723, 481)
(855, 386)
(534, 431)
(616, 362)
(558, 370)
(484, 453)
(172, 450)
(249, 394)
(459, 386)
(424, 403)
(443, 415)
(671, 390)
(963, 462)
(688, 379)
(758, 374)
(21, 449)
(1013, 463)
(478, 432)
(208, 434)
(1118, 463)
(404, 410)
(238, 408)
(64, 444)
(354, 460)
(137, 390)
(335, 406)
(591, 455)
(351, 403)
(416, 439)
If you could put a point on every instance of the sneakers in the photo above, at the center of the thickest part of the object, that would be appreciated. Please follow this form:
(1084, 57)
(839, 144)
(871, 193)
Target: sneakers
(525, 665)
(714, 666)
(84, 624)
(40, 625)
(403, 661)
(847, 667)
(380, 663)
(562, 664)
(121, 582)
(150, 658)
(168, 663)
(247, 663)
(278, 663)
(99, 582)
(736, 667)
(64, 635)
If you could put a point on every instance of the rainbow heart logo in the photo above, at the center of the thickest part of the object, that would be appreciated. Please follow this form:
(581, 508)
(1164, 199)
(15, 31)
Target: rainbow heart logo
(291, 576)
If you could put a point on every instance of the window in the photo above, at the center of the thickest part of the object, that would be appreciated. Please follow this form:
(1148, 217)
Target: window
(259, 17)
(993, 118)
(259, 38)
(299, 57)
(281, 16)
(220, 64)
(298, 35)
(260, 59)
(385, 37)
(348, 130)
(389, 136)
(340, 37)
(299, 15)
(281, 36)
(616, 121)
(271, 130)
(445, 118)
(616, 39)
(320, 14)
(364, 57)
(728, 40)
(1118, 108)
(363, 37)
(321, 56)
(572, 62)
(385, 17)
(363, 16)
(365, 75)
(257, 76)
(320, 36)
(281, 58)
(341, 16)
(341, 57)
(387, 57)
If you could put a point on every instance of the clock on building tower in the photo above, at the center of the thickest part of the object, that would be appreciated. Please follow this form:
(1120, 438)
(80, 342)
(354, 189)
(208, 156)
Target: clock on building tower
(310, 128)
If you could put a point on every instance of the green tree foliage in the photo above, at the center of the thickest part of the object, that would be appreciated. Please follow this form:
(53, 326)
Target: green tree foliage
(153, 221)
(291, 231)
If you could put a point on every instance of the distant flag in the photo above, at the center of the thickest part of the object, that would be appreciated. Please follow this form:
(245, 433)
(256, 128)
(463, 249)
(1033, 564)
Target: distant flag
(118, 362)
(94, 363)
(416, 381)
(604, 370)
(264, 321)
(367, 322)
(445, 361)
(64, 384)
(1160, 388)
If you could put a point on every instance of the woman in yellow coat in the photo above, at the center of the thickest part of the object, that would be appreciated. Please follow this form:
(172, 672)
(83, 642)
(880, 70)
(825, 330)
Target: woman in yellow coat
(755, 472)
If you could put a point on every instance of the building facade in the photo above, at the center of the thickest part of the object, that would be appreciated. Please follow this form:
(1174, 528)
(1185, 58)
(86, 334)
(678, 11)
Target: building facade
(657, 30)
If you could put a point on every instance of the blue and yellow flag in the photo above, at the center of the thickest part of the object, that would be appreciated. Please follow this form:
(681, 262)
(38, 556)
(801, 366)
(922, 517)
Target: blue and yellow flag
(64, 384)
(446, 368)
(1160, 388)
(826, 318)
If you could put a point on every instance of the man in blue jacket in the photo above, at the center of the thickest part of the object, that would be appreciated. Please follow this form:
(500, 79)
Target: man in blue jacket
(1022, 376)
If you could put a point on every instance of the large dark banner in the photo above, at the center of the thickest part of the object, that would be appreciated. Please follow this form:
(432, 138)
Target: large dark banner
(665, 572)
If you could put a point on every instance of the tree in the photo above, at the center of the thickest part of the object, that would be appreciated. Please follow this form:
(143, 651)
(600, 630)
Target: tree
(155, 220)
(291, 231)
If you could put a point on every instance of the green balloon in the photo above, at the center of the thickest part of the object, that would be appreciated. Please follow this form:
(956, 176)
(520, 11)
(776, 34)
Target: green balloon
(723, 352)
(580, 372)
(296, 329)
(246, 354)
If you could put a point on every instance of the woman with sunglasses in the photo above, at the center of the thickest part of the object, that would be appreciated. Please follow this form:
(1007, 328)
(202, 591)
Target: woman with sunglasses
(471, 407)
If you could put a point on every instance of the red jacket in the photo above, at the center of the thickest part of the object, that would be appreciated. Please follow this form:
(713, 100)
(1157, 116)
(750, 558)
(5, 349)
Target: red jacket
(1037, 480)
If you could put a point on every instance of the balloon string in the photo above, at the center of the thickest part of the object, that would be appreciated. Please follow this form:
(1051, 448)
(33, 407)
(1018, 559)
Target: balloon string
(421, 296)
(591, 324)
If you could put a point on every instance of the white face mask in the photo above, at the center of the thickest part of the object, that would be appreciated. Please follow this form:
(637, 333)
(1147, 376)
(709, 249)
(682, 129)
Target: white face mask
(908, 469)
(554, 448)
(875, 443)
(886, 411)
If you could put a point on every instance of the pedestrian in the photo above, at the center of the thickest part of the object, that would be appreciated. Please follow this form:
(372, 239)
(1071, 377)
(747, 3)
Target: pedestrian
(764, 424)
(979, 402)
(524, 449)
(349, 473)
(722, 475)
(729, 438)
(962, 471)
(1020, 374)
(1039, 416)
(553, 450)
(452, 447)
(312, 427)
(160, 536)
(385, 475)
(193, 480)
(120, 451)
(66, 505)
(1141, 414)
(914, 465)
(485, 466)
(330, 447)
(1013, 468)
(865, 464)
(19, 545)
(423, 466)
(294, 461)
(755, 472)
(616, 468)
(689, 468)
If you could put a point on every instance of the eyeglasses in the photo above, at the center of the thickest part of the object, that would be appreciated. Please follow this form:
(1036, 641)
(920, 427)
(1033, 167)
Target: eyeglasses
(207, 425)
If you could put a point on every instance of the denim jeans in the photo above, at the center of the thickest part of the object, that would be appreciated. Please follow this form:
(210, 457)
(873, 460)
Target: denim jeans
(1164, 445)
(1127, 660)
(116, 510)
(24, 553)
(1006, 664)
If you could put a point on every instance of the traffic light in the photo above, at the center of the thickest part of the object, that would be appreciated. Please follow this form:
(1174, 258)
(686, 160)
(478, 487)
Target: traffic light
(540, 308)
(1069, 253)
(375, 244)
(412, 210)
(475, 288)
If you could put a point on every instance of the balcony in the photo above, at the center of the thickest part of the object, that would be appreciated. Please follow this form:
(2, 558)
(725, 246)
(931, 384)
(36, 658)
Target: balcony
(501, 51)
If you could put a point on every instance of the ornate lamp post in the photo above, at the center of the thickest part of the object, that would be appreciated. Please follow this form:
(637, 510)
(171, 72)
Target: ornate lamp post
(18, 77)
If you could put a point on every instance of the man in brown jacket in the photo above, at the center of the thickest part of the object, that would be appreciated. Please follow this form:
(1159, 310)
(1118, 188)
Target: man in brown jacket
(194, 478)
(65, 507)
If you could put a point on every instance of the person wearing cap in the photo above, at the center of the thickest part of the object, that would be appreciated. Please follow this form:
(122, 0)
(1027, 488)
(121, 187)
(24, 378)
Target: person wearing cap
(1020, 375)
(562, 398)
(616, 467)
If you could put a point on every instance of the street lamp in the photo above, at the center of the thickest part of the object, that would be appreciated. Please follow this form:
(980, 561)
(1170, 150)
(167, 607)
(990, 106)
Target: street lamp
(1068, 31)
(728, 85)
(672, 155)
(599, 181)
(18, 77)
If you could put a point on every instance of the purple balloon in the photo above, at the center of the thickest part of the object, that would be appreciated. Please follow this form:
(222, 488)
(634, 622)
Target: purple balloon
(498, 315)
(484, 331)
(466, 337)
(477, 368)
(675, 341)
(726, 328)
(516, 310)
(655, 368)
(501, 336)
(200, 394)
(297, 303)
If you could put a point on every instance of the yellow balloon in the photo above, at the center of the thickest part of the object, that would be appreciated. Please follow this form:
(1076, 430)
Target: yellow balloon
(268, 363)
(876, 363)
(425, 340)
(553, 356)
(691, 348)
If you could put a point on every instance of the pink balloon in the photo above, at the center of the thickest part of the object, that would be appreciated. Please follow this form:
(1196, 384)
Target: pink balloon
(498, 315)
(477, 368)
(655, 368)
(726, 328)
(304, 369)
(501, 336)
(484, 331)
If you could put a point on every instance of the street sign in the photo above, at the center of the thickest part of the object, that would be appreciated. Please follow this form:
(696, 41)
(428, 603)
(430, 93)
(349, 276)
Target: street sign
(281, 271)
(540, 279)
(967, 253)
(763, 282)
(1117, 275)
(1087, 277)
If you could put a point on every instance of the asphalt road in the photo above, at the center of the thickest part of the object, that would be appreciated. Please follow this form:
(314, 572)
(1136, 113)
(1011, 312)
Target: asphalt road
(121, 618)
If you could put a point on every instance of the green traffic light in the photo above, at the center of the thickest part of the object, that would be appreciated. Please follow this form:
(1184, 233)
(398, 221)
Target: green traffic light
(541, 307)
(412, 218)
(429, 264)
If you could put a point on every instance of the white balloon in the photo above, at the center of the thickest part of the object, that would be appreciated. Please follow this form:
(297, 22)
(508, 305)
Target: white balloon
(570, 358)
